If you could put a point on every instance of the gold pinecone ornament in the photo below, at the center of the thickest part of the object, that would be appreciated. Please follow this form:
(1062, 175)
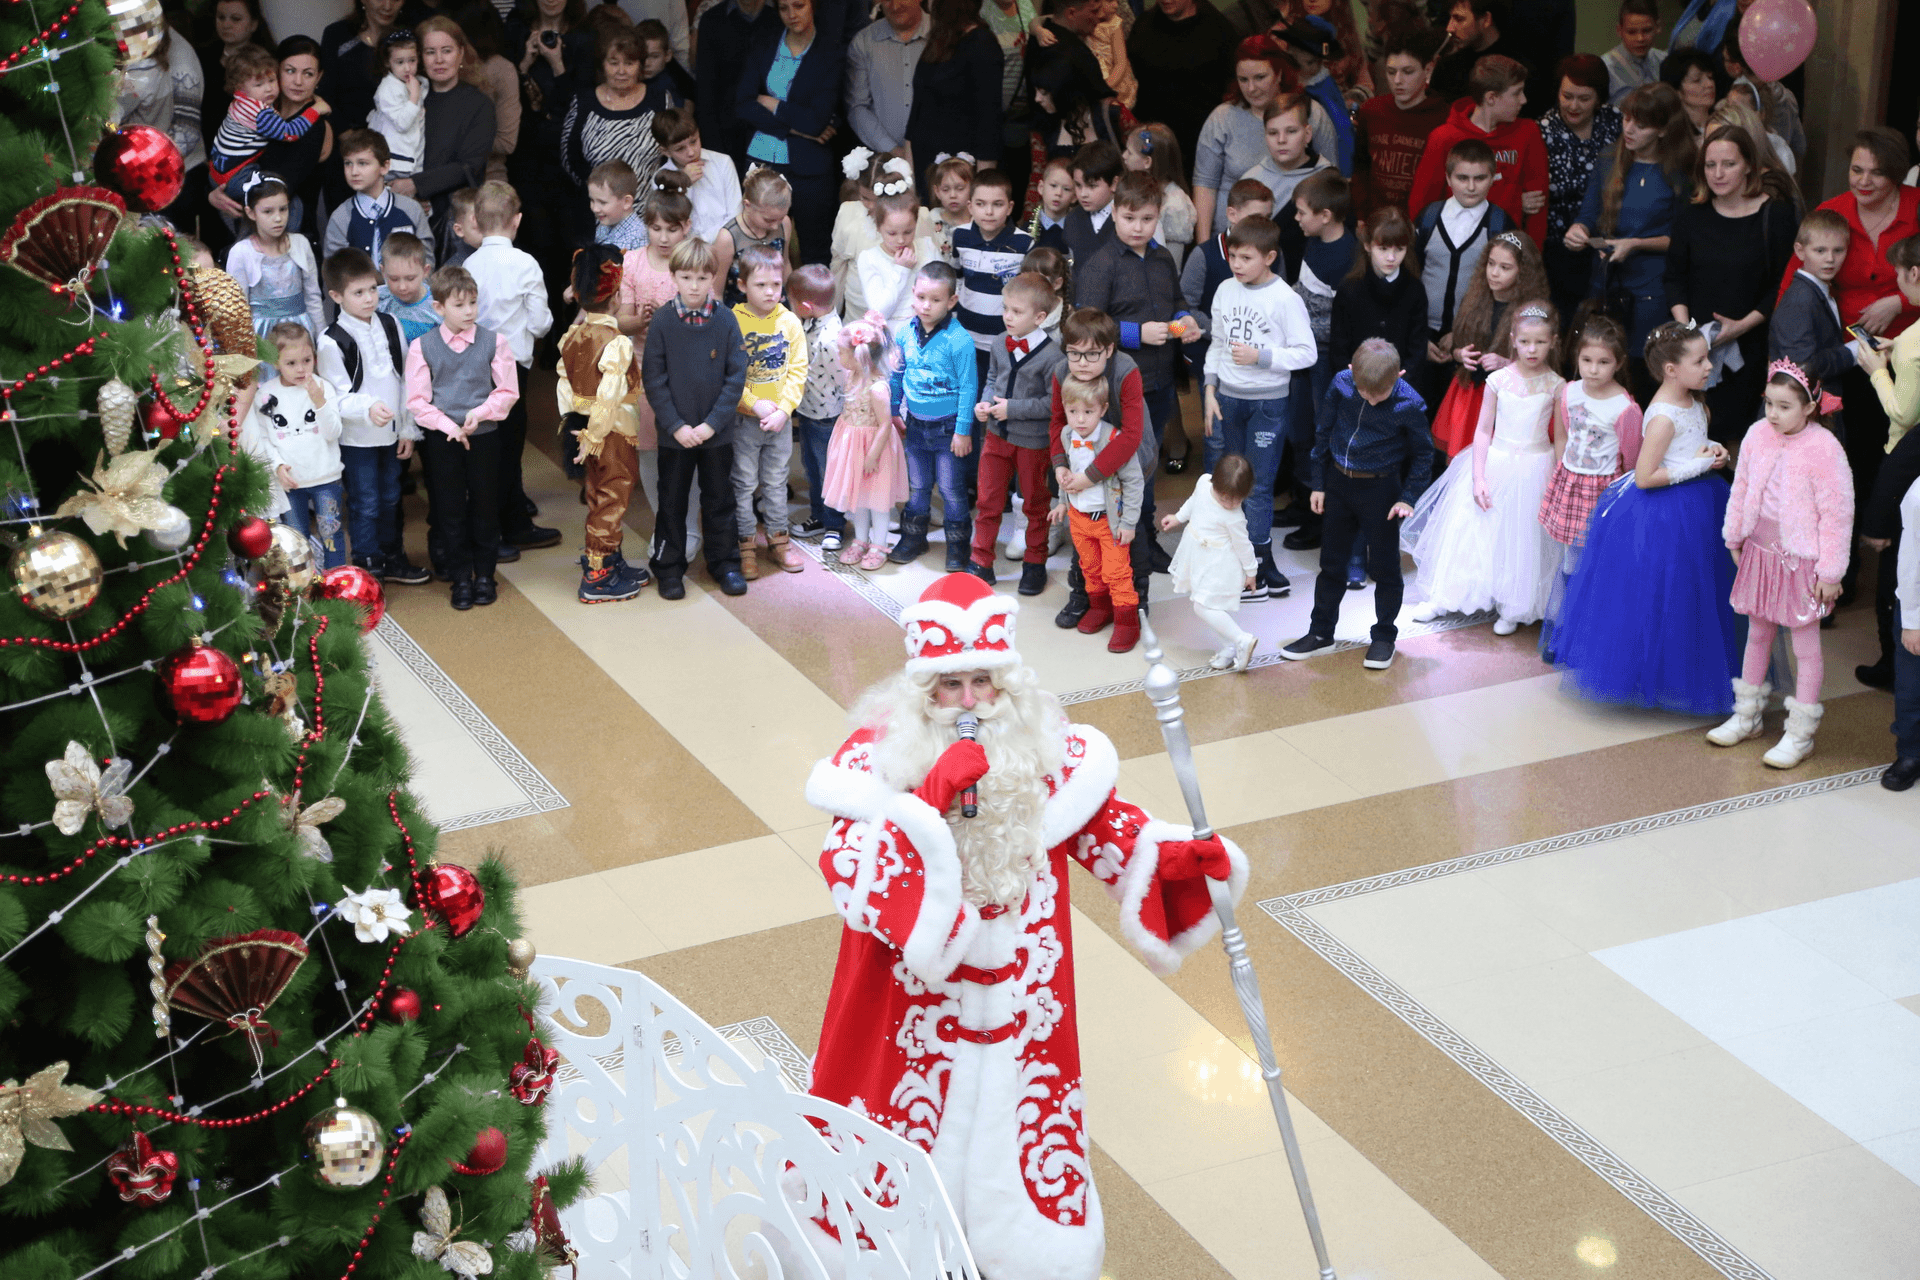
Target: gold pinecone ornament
(224, 310)
(117, 404)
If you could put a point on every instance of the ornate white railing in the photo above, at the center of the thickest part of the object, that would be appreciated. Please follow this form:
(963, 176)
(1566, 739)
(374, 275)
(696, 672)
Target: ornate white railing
(708, 1166)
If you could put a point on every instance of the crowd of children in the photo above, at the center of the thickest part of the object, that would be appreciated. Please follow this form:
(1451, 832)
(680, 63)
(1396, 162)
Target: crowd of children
(1365, 318)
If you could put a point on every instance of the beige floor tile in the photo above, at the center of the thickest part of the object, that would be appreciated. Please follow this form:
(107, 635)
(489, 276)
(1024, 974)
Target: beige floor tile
(806, 841)
(1371, 1224)
(1692, 1116)
(1444, 931)
(1178, 1113)
(1567, 1017)
(1393, 748)
(1244, 780)
(770, 781)
(584, 918)
(1765, 857)
(1608, 894)
(1868, 1216)
(1456, 1262)
(1534, 720)
(1125, 1012)
(701, 897)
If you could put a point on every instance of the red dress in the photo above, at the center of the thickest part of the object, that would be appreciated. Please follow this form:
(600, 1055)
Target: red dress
(953, 1025)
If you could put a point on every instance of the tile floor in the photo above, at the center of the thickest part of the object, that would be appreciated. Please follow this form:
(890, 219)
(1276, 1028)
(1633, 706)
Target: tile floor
(1717, 1003)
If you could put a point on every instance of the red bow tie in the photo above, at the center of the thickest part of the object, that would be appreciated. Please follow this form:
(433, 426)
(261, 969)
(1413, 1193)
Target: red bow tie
(1017, 346)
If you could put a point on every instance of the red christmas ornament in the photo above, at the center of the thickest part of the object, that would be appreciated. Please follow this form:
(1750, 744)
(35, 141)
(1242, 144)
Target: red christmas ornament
(201, 684)
(250, 537)
(532, 1076)
(488, 1155)
(143, 165)
(457, 896)
(159, 420)
(60, 238)
(402, 1006)
(549, 1237)
(141, 1174)
(351, 582)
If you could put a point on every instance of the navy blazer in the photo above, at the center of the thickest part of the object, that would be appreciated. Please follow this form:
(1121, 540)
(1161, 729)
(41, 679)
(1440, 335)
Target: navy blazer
(810, 105)
(1805, 331)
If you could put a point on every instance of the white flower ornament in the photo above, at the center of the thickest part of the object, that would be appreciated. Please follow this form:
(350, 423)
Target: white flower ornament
(374, 913)
(81, 787)
(856, 162)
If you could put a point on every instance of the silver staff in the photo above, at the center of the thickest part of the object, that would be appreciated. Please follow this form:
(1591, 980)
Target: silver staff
(1163, 690)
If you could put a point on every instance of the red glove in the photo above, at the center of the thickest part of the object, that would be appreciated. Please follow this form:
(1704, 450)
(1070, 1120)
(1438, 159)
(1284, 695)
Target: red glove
(959, 767)
(1191, 859)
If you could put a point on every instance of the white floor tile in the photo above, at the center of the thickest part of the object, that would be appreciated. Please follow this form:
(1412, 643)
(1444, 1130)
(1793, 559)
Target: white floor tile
(1901, 1150)
(1870, 933)
(1739, 977)
(1859, 1069)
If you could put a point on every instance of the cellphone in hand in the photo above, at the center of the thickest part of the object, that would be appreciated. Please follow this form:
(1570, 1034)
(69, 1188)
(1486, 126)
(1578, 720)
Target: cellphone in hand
(1867, 341)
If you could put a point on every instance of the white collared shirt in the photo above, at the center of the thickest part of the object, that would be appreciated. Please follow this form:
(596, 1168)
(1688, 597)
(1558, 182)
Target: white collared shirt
(513, 295)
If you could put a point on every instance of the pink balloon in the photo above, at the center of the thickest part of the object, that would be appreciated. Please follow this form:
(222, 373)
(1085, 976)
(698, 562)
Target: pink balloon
(1777, 35)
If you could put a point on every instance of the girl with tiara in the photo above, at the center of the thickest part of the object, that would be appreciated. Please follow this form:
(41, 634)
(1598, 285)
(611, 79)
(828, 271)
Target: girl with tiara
(276, 266)
(1510, 271)
(1475, 534)
(866, 463)
(1647, 619)
(1789, 525)
(1597, 426)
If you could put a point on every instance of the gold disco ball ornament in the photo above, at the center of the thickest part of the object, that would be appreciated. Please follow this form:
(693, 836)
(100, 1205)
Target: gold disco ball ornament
(140, 24)
(346, 1145)
(57, 575)
(289, 560)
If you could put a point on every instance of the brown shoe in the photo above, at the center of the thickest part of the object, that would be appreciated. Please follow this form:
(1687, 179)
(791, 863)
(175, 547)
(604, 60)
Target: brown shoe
(783, 554)
(749, 562)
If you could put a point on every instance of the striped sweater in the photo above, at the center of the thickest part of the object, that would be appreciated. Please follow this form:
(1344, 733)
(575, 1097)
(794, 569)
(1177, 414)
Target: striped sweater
(985, 265)
(250, 125)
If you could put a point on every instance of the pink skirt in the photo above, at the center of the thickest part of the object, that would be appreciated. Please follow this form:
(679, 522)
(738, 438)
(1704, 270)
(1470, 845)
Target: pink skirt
(847, 486)
(1773, 584)
(1568, 507)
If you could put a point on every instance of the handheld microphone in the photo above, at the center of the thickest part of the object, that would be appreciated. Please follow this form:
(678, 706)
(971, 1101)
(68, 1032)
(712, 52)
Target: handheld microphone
(968, 724)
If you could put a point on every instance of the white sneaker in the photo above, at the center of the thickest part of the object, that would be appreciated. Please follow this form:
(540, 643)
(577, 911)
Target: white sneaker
(1243, 651)
(1427, 612)
(1015, 530)
(1223, 660)
(1505, 627)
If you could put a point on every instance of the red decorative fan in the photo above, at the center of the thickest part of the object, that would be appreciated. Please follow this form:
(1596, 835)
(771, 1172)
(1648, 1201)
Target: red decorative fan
(235, 980)
(59, 239)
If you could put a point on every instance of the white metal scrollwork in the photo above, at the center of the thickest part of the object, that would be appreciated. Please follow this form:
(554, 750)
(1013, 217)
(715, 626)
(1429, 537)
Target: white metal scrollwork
(706, 1166)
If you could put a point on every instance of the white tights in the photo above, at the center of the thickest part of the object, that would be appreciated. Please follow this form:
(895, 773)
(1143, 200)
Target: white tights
(1222, 624)
(869, 526)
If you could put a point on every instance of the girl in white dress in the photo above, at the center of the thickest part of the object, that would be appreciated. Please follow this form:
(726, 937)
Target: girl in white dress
(1475, 535)
(1214, 561)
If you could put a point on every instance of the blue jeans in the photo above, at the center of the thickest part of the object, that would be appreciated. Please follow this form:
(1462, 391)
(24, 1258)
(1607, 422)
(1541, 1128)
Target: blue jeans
(1906, 702)
(372, 479)
(930, 460)
(1256, 430)
(812, 436)
(316, 513)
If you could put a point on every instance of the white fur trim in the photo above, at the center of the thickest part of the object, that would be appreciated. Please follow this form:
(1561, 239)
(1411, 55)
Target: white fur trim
(967, 623)
(1164, 956)
(1085, 793)
(853, 793)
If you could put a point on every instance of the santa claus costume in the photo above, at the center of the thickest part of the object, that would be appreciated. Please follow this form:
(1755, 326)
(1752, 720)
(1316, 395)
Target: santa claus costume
(951, 1020)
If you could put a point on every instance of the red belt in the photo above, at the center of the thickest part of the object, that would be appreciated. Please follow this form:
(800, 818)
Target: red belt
(950, 1029)
(987, 977)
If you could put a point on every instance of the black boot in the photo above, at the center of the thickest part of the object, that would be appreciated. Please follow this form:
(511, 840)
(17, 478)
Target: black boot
(913, 540)
(959, 545)
(1306, 537)
(1077, 602)
(1269, 574)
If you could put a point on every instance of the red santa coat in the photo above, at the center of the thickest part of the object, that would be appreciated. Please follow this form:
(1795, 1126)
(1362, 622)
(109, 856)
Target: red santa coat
(954, 1027)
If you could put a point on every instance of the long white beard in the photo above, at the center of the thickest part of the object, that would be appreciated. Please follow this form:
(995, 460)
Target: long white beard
(1023, 732)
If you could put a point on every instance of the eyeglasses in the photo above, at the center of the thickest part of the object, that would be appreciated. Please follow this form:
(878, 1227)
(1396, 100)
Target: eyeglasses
(1085, 357)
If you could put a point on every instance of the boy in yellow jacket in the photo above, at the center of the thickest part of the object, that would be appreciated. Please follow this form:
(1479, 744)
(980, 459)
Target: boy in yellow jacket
(599, 383)
(776, 378)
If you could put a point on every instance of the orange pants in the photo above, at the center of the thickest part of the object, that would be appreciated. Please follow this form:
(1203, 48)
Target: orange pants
(611, 474)
(1104, 563)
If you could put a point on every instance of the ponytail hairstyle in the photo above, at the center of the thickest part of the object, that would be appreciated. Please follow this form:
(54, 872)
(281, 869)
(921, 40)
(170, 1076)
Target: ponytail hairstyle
(1653, 106)
(1165, 165)
(870, 348)
(1603, 331)
(1667, 343)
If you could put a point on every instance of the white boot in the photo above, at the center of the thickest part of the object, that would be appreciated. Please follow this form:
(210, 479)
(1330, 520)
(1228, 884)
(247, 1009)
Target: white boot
(1015, 530)
(1749, 700)
(1803, 721)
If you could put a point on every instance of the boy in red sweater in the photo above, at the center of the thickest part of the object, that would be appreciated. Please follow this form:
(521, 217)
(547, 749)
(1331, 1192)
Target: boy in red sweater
(1390, 129)
(1496, 90)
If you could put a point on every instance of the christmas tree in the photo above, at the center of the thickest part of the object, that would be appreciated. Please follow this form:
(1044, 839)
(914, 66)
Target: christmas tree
(249, 1027)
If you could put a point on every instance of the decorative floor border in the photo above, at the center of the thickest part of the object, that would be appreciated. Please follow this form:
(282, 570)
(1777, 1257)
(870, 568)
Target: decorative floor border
(541, 795)
(1290, 912)
(864, 587)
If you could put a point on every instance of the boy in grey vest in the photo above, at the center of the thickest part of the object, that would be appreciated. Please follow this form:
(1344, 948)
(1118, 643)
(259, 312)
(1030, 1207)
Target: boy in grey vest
(461, 382)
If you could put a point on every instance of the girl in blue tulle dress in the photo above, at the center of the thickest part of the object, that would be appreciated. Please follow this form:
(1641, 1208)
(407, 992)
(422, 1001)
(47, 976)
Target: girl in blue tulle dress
(1647, 619)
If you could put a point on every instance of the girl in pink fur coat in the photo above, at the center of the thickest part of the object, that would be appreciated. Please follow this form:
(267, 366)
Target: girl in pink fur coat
(1790, 527)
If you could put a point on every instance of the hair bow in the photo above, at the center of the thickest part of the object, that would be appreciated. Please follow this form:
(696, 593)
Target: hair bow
(1143, 138)
(856, 162)
(902, 181)
(254, 178)
(945, 156)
